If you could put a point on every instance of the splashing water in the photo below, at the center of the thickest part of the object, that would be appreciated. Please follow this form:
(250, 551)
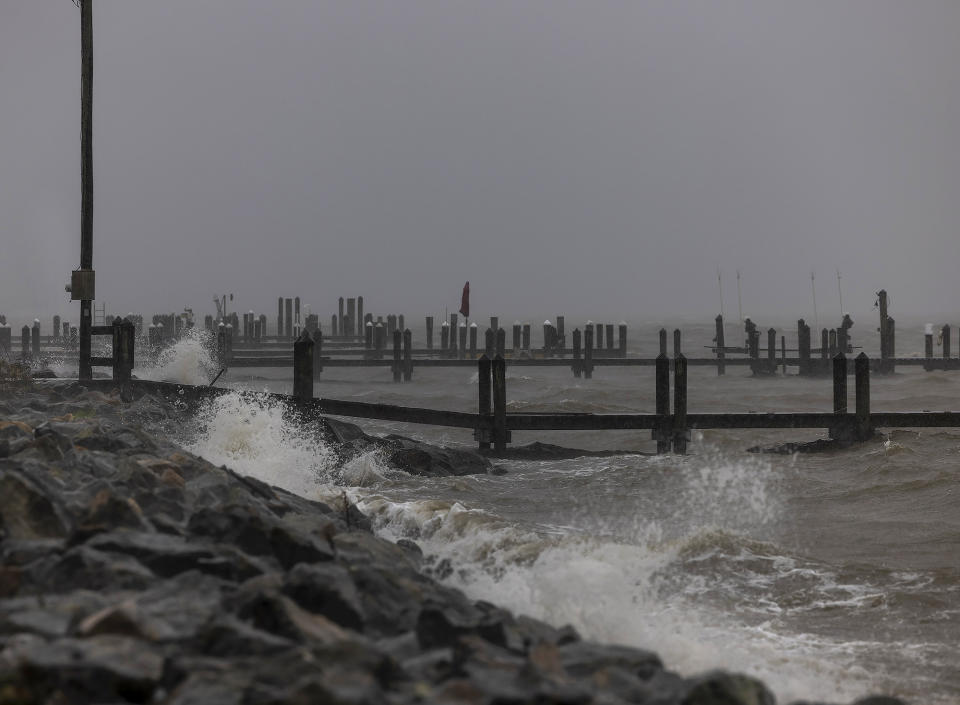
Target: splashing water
(188, 361)
(261, 437)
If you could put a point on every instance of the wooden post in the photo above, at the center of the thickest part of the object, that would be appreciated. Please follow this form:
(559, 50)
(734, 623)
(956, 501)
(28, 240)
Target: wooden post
(56, 326)
(288, 318)
(6, 344)
(228, 330)
(609, 336)
(753, 347)
(501, 342)
(317, 354)
(663, 428)
(526, 336)
(824, 349)
(680, 404)
(833, 342)
(303, 367)
(663, 341)
(803, 347)
(279, 318)
(86, 180)
(928, 350)
(495, 323)
(453, 335)
(263, 328)
(489, 341)
(368, 335)
(379, 339)
(444, 337)
(577, 361)
(473, 341)
(862, 382)
(483, 376)
(35, 338)
(598, 340)
(429, 322)
(296, 316)
(123, 350)
(407, 355)
(783, 353)
(66, 328)
(391, 324)
(561, 333)
(500, 436)
(397, 355)
(884, 349)
(462, 340)
(946, 342)
(588, 351)
(516, 337)
(361, 322)
(548, 342)
(840, 430)
(771, 351)
(221, 342)
(677, 352)
(340, 332)
(25, 342)
(352, 317)
(718, 340)
(622, 338)
(116, 347)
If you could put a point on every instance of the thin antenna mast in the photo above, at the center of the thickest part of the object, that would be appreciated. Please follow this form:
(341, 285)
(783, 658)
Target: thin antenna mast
(739, 302)
(720, 286)
(840, 293)
(816, 325)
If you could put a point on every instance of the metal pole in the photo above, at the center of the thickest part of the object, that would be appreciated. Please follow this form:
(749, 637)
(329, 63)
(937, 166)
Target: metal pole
(86, 177)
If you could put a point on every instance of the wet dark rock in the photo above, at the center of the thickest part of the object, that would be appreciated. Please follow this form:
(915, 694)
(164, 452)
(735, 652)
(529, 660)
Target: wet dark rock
(720, 688)
(326, 589)
(584, 658)
(27, 511)
(424, 459)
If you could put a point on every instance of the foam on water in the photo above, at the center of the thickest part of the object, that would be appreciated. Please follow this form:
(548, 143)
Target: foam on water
(631, 589)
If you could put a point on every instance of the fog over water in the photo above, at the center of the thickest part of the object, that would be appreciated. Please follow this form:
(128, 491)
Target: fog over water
(564, 157)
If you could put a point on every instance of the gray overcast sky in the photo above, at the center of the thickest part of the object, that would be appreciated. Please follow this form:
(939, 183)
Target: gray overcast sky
(587, 157)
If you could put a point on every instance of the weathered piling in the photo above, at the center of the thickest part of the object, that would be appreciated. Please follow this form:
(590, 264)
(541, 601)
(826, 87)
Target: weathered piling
(928, 346)
(500, 434)
(501, 342)
(803, 347)
(622, 338)
(288, 318)
(495, 323)
(598, 339)
(663, 341)
(483, 377)
(561, 332)
(783, 353)
(453, 335)
(303, 367)
(588, 351)
(361, 321)
(862, 386)
(340, 330)
(680, 431)
(753, 349)
(462, 338)
(473, 341)
(445, 337)
(840, 383)
(296, 316)
(334, 325)
(263, 327)
(824, 350)
(66, 330)
(317, 354)
(228, 329)
(5, 340)
(56, 326)
(25, 342)
(391, 324)
(549, 342)
(351, 317)
(280, 317)
(35, 338)
(489, 341)
(662, 429)
(677, 351)
(718, 340)
(771, 351)
(526, 336)
(429, 323)
(397, 367)
(380, 338)
(123, 349)
(833, 342)
(407, 355)
(401, 323)
(577, 366)
(516, 336)
(609, 337)
(945, 331)
(221, 343)
(368, 335)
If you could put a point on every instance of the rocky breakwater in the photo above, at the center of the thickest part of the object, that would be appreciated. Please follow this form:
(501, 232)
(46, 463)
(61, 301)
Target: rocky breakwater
(132, 571)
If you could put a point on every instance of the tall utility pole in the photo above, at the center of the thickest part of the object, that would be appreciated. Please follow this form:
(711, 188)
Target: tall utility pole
(86, 293)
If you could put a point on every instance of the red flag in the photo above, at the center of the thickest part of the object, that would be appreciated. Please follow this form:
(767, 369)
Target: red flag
(465, 301)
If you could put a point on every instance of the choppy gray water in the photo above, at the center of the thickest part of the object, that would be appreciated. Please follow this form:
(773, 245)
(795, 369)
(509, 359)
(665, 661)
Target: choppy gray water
(829, 575)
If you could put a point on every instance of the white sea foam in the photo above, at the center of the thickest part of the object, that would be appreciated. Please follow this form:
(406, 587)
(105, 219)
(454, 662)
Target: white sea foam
(190, 360)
